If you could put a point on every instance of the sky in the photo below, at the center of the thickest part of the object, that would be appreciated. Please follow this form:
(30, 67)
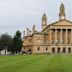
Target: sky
(22, 14)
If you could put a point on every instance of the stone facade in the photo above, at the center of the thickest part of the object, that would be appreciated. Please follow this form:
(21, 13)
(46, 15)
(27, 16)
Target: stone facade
(54, 38)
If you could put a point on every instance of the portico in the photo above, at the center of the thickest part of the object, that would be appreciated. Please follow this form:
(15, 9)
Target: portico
(60, 36)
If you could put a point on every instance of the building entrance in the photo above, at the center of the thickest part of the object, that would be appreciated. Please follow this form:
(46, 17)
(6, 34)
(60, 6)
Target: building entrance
(58, 50)
(53, 50)
(64, 50)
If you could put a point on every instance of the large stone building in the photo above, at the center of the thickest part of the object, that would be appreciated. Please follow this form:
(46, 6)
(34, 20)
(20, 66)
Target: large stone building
(54, 38)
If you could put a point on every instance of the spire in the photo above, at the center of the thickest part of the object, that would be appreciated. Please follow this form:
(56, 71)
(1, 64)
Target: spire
(62, 12)
(23, 33)
(33, 28)
(27, 31)
(44, 16)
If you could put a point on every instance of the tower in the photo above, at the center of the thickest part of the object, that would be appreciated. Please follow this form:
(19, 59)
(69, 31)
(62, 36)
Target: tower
(23, 33)
(62, 12)
(44, 21)
(33, 28)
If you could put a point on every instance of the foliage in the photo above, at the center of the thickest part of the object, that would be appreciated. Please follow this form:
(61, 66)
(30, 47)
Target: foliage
(17, 42)
(5, 41)
(11, 44)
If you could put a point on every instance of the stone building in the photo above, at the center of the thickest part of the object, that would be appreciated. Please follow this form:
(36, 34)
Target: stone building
(54, 38)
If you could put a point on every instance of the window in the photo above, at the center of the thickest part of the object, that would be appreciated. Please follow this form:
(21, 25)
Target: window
(64, 50)
(53, 50)
(69, 50)
(46, 48)
(58, 50)
(38, 48)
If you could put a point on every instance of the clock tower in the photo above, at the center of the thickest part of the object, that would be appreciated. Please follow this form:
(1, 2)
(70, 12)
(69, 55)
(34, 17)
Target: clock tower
(44, 21)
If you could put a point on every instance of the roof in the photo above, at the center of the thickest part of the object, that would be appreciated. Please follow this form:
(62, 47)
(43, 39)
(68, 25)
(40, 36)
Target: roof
(57, 22)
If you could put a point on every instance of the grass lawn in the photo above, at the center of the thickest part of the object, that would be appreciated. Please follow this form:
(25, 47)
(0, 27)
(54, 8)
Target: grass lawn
(36, 63)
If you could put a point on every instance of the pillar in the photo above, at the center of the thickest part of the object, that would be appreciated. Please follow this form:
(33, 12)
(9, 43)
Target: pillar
(50, 36)
(61, 40)
(55, 35)
(66, 36)
(71, 36)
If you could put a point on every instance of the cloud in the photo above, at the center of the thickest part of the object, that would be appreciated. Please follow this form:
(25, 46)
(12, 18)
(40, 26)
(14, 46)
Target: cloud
(20, 14)
(2, 4)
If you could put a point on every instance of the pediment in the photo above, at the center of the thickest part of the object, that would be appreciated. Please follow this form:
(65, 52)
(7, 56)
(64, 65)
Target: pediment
(62, 23)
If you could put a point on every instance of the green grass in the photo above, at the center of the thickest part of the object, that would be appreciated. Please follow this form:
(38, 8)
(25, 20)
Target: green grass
(36, 63)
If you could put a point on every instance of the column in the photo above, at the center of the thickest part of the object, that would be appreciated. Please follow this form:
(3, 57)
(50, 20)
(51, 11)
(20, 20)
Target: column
(61, 40)
(50, 36)
(66, 36)
(55, 36)
(71, 36)
(66, 49)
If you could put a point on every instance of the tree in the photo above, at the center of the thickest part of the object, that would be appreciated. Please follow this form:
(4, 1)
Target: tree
(5, 42)
(17, 42)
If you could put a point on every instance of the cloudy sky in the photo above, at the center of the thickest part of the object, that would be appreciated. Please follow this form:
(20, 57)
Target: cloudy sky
(21, 14)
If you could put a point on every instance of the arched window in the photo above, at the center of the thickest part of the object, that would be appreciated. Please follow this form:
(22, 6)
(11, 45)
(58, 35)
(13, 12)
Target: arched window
(38, 48)
(46, 48)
